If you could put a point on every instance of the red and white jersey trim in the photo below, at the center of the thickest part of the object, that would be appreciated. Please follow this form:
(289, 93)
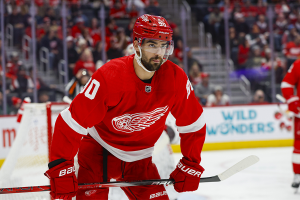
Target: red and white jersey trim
(196, 126)
(290, 100)
(296, 158)
(127, 156)
(286, 85)
(67, 117)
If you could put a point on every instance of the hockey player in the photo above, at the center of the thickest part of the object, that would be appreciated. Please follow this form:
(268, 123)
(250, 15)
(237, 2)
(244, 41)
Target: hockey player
(292, 79)
(117, 118)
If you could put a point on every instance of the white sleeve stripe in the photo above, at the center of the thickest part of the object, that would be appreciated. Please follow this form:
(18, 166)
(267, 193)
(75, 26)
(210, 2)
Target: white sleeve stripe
(286, 85)
(67, 117)
(290, 100)
(296, 158)
(196, 126)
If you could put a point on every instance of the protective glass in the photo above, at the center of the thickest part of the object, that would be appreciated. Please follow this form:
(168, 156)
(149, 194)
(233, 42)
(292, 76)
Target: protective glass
(160, 47)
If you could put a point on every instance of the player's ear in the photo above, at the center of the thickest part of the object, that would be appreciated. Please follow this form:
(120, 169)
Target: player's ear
(135, 46)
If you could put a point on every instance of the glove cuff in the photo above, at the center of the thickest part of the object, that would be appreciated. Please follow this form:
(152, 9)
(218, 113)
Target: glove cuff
(292, 99)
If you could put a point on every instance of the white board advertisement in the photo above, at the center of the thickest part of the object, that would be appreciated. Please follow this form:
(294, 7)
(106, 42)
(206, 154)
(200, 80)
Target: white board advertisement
(248, 123)
(8, 131)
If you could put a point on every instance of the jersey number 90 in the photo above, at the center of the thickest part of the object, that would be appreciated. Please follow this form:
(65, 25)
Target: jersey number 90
(92, 89)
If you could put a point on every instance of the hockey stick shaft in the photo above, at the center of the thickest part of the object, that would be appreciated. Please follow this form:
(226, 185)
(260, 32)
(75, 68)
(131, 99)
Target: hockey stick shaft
(243, 164)
(101, 185)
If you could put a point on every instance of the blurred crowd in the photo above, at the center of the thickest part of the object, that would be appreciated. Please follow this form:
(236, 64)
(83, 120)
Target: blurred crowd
(249, 34)
(84, 42)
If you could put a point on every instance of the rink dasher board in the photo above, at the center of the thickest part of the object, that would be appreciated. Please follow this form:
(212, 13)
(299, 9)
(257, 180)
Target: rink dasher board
(227, 127)
(247, 126)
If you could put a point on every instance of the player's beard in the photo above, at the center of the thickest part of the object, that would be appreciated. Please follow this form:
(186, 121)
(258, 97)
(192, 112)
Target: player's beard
(151, 66)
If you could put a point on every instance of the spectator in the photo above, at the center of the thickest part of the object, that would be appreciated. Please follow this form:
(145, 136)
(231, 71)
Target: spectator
(43, 97)
(278, 64)
(261, 7)
(97, 53)
(22, 83)
(170, 22)
(195, 74)
(243, 53)
(192, 60)
(81, 46)
(16, 104)
(289, 35)
(115, 50)
(248, 10)
(293, 15)
(122, 38)
(133, 12)
(153, 8)
(78, 28)
(282, 7)
(256, 59)
(40, 84)
(279, 28)
(86, 35)
(77, 83)
(95, 31)
(218, 98)
(178, 52)
(204, 88)
(54, 45)
(111, 27)
(176, 37)
(17, 21)
(259, 97)
(255, 38)
(262, 24)
(234, 45)
(214, 20)
(240, 25)
(129, 28)
(85, 62)
(13, 64)
(50, 14)
(292, 51)
(118, 10)
(72, 56)
(139, 4)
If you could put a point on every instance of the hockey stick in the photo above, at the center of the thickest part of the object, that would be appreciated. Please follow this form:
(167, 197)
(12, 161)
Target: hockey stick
(243, 164)
(280, 98)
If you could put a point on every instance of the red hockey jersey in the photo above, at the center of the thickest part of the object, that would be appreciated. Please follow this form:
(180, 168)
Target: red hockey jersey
(291, 80)
(127, 116)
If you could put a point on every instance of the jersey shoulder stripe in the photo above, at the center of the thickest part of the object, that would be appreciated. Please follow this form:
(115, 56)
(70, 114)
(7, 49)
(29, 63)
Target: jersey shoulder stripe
(67, 117)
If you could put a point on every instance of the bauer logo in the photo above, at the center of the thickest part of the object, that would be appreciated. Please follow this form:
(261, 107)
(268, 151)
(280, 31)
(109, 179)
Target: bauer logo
(158, 194)
(67, 171)
(129, 123)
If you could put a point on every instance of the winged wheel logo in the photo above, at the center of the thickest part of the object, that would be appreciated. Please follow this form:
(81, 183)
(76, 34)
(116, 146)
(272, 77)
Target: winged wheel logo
(129, 123)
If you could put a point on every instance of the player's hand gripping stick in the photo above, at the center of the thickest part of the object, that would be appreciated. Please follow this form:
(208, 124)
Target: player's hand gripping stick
(186, 176)
(63, 180)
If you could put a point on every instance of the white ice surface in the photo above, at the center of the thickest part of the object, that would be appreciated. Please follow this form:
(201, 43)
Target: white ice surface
(269, 179)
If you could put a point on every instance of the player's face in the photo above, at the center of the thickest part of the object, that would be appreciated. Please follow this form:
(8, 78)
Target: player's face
(153, 52)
